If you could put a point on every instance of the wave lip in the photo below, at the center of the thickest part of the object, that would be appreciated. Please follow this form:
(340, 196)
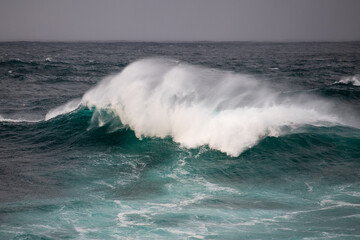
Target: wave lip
(198, 106)
(63, 109)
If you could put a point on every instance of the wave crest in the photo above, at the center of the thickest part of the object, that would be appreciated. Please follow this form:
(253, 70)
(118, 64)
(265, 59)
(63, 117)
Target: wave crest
(63, 109)
(354, 80)
(199, 106)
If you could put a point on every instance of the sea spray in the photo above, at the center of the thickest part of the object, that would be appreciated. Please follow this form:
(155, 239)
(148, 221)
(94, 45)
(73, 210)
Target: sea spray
(63, 109)
(198, 106)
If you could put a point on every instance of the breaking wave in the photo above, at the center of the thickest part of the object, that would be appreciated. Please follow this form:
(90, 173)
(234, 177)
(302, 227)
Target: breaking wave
(198, 106)
(353, 80)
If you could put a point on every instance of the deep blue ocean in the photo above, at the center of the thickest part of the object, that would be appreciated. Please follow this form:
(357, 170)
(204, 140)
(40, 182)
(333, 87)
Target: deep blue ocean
(132, 140)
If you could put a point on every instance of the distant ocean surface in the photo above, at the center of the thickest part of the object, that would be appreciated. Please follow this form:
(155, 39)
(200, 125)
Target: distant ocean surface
(131, 140)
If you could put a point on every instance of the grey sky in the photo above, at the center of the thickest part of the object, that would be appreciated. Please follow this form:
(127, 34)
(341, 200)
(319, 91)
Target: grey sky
(180, 20)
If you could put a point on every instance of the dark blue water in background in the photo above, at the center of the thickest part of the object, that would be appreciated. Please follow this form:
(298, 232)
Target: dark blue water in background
(77, 175)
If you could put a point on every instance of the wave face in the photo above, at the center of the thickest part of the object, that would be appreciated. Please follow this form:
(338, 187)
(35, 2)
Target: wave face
(228, 141)
(200, 106)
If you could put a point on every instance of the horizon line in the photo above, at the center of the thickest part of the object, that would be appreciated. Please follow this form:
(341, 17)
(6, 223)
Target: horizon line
(181, 41)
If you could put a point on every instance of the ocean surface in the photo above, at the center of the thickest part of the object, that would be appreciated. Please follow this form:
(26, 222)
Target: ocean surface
(131, 140)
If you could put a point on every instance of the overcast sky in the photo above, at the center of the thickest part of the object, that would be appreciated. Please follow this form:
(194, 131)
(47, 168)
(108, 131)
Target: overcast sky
(180, 20)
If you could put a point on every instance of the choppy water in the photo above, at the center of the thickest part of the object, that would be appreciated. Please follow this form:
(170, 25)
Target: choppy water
(179, 140)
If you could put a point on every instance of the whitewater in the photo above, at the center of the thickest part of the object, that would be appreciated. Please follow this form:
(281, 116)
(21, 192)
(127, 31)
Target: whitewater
(198, 106)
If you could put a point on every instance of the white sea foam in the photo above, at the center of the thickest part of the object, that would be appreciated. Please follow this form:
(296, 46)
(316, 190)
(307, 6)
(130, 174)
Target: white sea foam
(18, 120)
(143, 218)
(354, 80)
(333, 203)
(198, 106)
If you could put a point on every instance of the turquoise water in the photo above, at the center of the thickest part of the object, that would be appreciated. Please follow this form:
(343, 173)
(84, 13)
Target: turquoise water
(203, 141)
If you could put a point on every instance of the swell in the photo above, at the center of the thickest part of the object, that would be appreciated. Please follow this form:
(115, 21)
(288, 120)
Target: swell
(17, 62)
(327, 153)
(66, 132)
(309, 152)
